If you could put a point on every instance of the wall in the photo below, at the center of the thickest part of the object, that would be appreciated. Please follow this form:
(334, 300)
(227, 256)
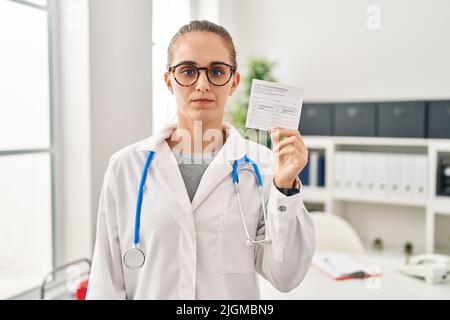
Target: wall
(73, 219)
(103, 72)
(325, 46)
(121, 80)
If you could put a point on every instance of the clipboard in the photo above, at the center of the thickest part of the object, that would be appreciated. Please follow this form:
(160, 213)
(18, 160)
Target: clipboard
(340, 266)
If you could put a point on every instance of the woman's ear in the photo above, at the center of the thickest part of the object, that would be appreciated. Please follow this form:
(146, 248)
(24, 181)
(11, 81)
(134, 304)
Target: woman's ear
(168, 82)
(235, 83)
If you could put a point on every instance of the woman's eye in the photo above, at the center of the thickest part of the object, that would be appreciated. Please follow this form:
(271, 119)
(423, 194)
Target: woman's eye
(188, 72)
(217, 72)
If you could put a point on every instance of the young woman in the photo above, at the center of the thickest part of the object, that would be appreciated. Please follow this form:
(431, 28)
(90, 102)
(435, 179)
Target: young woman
(171, 224)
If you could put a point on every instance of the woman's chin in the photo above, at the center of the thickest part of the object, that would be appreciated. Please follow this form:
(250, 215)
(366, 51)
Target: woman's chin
(203, 115)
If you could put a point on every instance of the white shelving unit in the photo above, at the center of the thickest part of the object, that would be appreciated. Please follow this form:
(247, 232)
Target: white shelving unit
(400, 219)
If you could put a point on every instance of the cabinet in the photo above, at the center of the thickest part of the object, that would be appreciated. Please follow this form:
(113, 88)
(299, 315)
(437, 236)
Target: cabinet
(398, 215)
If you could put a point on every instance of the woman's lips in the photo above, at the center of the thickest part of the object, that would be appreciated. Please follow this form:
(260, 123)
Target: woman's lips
(202, 101)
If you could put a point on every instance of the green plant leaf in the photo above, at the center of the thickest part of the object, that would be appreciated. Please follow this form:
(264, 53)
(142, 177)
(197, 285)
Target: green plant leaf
(259, 68)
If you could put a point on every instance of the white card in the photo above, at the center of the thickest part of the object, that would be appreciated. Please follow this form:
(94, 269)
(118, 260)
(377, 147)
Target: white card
(274, 105)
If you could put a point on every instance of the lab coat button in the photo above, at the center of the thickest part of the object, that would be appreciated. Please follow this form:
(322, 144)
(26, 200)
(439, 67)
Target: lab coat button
(282, 208)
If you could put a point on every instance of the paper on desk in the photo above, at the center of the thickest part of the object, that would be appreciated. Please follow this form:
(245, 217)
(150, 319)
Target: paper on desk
(340, 266)
(274, 105)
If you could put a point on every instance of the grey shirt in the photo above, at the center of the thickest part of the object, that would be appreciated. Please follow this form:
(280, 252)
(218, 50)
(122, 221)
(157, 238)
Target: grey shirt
(192, 167)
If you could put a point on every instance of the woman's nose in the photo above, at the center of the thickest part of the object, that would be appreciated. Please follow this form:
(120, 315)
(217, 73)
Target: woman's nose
(202, 82)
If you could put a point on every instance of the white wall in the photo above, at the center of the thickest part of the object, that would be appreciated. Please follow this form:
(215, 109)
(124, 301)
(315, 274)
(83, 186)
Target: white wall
(205, 10)
(121, 80)
(73, 220)
(103, 72)
(325, 46)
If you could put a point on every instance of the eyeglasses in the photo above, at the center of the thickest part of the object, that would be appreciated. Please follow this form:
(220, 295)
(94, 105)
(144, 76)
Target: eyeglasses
(218, 74)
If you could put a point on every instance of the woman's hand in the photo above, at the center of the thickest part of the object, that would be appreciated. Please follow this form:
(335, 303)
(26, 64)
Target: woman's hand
(290, 156)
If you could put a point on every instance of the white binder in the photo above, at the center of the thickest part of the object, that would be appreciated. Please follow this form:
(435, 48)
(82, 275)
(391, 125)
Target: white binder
(393, 175)
(348, 180)
(407, 173)
(358, 172)
(420, 177)
(313, 167)
(369, 174)
(338, 176)
(381, 174)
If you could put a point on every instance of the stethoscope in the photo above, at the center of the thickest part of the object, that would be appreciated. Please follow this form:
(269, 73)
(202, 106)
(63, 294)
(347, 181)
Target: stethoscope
(134, 257)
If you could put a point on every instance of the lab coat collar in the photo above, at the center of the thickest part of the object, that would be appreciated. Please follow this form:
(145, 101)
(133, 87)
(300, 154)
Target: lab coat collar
(234, 148)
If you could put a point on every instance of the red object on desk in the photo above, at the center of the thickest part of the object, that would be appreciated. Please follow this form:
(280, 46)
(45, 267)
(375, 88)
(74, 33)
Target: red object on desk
(80, 294)
(355, 275)
(340, 266)
(358, 275)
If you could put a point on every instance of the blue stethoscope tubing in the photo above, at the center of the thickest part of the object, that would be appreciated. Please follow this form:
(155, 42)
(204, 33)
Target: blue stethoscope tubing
(137, 222)
(257, 174)
(134, 258)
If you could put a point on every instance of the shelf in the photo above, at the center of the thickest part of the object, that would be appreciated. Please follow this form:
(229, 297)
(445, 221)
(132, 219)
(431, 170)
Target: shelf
(317, 142)
(348, 202)
(373, 141)
(420, 203)
(441, 205)
(441, 145)
(321, 195)
(445, 250)
(315, 194)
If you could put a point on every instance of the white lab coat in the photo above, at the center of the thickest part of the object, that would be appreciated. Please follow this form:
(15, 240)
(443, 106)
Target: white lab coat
(196, 250)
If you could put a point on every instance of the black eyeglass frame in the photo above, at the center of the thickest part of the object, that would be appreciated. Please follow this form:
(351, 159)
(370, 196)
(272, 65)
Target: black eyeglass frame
(232, 68)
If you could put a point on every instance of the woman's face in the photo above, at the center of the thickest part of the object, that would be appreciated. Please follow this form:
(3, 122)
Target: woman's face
(202, 48)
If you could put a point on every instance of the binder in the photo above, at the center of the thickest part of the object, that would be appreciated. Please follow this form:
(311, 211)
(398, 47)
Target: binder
(313, 155)
(407, 175)
(314, 172)
(358, 172)
(420, 178)
(381, 174)
(321, 171)
(338, 171)
(340, 266)
(304, 175)
(393, 175)
(348, 174)
(369, 174)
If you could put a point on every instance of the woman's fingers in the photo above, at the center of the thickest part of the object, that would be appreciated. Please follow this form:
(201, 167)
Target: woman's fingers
(293, 140)
(291, 137)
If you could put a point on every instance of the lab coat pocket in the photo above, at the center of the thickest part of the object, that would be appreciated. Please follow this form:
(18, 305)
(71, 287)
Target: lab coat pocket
(233, 253)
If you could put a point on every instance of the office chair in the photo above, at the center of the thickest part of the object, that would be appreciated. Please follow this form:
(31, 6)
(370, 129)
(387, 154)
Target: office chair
(335, 234)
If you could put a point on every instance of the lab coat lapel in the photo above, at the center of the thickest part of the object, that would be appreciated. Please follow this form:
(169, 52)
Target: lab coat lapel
(166, 166)
(221, 166)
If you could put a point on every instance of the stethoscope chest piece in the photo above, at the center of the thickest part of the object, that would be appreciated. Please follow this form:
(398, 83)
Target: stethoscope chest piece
(134, 258)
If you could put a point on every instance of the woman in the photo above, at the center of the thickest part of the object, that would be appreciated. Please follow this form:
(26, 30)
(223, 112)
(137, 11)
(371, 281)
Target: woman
(191, 231)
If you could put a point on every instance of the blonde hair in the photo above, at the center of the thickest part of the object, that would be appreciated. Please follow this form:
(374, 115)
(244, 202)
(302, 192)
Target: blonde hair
(205, 26)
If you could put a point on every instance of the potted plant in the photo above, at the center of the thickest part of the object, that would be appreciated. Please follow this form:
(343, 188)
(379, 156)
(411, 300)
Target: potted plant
(259, 68)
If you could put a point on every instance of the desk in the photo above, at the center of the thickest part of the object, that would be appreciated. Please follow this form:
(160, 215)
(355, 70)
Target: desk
(392, 285)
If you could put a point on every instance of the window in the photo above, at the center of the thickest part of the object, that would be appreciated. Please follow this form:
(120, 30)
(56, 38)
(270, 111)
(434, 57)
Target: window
(26, 151)
(168, 17)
